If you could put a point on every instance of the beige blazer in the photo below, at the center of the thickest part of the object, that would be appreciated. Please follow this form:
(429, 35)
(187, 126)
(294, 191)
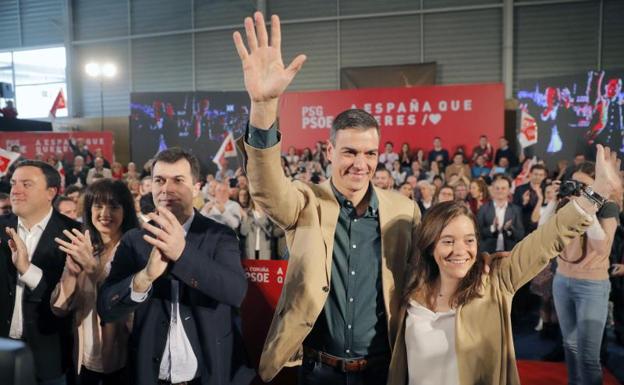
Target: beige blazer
(113, 335)
(308, 213)
(484, 340)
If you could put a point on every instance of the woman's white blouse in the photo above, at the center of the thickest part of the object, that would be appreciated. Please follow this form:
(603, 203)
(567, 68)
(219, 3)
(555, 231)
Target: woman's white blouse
(430, 344)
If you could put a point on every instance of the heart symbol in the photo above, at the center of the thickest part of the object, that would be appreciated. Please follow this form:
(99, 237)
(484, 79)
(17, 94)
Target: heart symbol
(435, 118)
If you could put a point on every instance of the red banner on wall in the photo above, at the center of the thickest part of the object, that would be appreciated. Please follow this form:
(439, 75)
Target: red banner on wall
(48, 143)
(458, 114)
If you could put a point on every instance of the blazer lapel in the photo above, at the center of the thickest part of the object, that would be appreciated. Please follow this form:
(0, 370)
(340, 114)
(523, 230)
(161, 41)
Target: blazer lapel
(12, 271)
(328, 213)
(508, 213)
(491, 211)
(387, 277)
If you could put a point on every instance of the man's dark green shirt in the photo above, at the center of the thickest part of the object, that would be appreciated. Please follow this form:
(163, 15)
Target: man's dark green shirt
(353, 321)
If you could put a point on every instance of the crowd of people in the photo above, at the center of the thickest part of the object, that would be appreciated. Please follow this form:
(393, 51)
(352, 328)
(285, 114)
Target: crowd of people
(116, 274)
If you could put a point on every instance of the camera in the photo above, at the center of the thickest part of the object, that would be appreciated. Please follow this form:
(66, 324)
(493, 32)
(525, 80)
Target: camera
(569, 188)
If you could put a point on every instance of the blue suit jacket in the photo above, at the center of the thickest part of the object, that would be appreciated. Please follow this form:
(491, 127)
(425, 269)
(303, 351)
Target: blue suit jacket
(212, 285)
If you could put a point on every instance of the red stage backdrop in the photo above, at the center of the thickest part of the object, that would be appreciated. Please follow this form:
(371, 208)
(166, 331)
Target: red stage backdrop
(46, 143)
(458, 114)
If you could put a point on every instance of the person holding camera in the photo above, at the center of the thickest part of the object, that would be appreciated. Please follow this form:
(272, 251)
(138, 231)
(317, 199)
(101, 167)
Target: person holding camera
(581, 285)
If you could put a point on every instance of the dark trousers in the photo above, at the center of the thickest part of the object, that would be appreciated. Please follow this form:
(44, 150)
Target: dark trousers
(318, 373)
(89, 377)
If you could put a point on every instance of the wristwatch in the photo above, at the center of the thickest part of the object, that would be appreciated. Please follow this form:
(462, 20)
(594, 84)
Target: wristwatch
(593, 196)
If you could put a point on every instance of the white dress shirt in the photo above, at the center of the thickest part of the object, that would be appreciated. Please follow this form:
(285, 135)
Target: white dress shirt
(179, 362)
(430, 345)
(31, 277)
(500, 216)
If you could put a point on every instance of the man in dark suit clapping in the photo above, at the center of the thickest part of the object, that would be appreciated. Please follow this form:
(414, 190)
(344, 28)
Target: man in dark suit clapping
(30, 267)
(500, 222)
(182, 277)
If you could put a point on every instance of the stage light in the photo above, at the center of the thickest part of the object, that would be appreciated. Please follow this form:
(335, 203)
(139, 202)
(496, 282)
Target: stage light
(99, 72)
(109, 70)
(93, 70)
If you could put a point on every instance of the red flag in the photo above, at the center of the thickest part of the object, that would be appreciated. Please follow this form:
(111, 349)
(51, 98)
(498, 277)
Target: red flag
(528, 130)
(6, 160)
(59, 104)
(227, 150)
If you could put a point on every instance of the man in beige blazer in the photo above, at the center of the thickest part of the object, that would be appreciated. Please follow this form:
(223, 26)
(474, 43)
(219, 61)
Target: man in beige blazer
(348, 241)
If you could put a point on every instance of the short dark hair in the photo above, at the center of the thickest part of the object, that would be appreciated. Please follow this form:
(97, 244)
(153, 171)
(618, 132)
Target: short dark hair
(4, 196)
(503, 177)
(538, 167)
(73, 188)
(174, 154)
(60, 199)
(52, 177)
(588, 168)
(382, 168)
(354, 118)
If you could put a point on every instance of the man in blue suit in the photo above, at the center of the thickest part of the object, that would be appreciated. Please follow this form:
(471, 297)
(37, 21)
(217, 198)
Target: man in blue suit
(181, 276)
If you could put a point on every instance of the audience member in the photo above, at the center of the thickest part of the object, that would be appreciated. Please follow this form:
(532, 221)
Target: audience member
(388, 157)
(434, 170)
(406, 190)
(405, 157)
(398, 175)
(526, 195)
(445, 193)
(257, 228)
(5, 205)
(292, 157)
(9, 111)
(117, 171)
(383, 179)
(427, 194)
(478, 195)
(79, 148)
(222, 209)
(484, 149)
(77, 173)
(505, 151)
(33, 266)
(458, 167)
(461, 191)
(98, 171)
(100, 349)
(438, 153)
(66, 206)
(479, 168)
(500, 222)
(131, 172)
(181, 276)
